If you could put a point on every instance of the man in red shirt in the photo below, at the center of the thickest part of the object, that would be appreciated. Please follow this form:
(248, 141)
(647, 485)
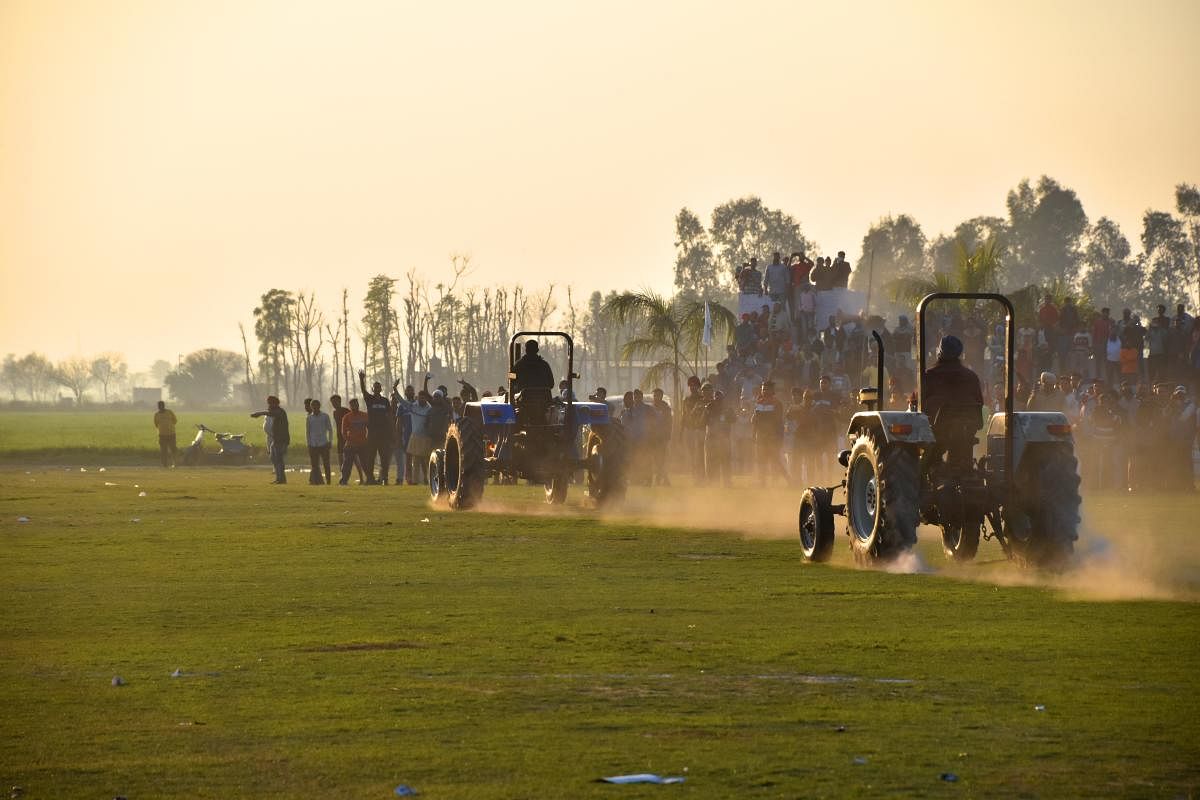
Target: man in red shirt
(1048, 314)
(354, 431)
(800, 268)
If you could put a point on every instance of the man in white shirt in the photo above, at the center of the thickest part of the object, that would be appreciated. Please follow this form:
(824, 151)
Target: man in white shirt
(318, 429)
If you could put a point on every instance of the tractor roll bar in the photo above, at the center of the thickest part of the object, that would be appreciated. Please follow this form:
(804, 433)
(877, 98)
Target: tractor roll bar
(514, 353)
(1009, 351)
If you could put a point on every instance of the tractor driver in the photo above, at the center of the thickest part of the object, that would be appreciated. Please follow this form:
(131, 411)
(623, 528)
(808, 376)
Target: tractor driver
(532, 370)
(951, 383)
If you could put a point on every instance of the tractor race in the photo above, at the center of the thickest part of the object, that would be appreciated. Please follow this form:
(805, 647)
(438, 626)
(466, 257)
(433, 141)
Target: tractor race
(544, 623)
(599, 400)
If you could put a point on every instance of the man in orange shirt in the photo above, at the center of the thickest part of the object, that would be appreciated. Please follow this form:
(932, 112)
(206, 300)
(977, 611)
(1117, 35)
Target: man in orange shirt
(354, 432)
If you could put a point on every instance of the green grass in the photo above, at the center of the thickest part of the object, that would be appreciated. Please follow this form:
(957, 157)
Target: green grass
(335, 644)
(100, 438)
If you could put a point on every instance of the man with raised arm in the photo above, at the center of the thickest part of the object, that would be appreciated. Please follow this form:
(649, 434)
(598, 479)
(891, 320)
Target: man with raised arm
(380, 427)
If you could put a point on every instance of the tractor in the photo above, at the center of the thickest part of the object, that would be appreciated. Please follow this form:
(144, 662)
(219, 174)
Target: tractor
(904, 469)
(531, 435)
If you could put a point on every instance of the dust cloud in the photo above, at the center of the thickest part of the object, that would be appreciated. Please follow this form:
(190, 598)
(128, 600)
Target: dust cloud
(1129, 548)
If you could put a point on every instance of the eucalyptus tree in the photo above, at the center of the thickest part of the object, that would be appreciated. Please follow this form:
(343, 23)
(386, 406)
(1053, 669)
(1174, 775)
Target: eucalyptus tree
(273, 328)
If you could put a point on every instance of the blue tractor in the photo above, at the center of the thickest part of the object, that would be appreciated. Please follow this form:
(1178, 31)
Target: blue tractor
(531, 435)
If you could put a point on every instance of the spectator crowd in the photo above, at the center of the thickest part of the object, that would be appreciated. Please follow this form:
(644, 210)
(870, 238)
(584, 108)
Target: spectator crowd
(776, 405)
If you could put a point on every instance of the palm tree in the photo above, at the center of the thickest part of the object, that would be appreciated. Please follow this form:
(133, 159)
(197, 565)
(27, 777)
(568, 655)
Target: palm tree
(980, 271)
(977, 271)
(671, 331)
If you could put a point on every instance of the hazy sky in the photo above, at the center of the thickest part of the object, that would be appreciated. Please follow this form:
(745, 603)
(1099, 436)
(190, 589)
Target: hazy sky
(162, 164)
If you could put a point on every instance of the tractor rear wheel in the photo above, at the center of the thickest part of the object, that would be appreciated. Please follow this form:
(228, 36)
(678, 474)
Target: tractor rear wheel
(437, 475)
(606, 481)
(465, 471)
(882, 494)
(816, 524)
(1047, 506)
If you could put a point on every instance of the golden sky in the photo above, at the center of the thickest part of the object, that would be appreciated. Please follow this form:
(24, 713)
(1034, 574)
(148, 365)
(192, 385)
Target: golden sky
(162, 164)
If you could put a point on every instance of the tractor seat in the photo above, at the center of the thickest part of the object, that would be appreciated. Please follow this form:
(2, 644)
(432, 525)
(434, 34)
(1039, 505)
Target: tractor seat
(532, 404)
(958, 422)
(533, 395)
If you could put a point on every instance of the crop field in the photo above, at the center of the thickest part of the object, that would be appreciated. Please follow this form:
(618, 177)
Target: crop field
(109, 437)
(286, 641)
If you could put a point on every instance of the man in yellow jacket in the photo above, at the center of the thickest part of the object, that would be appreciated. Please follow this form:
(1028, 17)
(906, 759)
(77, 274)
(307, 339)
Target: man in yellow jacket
(164, 420)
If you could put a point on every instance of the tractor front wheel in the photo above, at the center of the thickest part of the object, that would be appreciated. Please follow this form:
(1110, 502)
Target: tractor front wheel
(816, 524)
(960, 541)
(606, 452)
(556, 488)
(437, 475)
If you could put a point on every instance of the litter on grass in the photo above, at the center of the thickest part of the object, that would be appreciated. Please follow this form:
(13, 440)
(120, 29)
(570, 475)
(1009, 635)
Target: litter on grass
(141, 494)
(109, 483)
(1039, 707)
(22, 519)
(860, 760)
(404, 790)
(425, 520)
(118, 680)
(949, 777)
(136, 519)
(642, 777)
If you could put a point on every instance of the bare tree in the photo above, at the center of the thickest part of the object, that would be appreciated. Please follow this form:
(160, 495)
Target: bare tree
(251, 393)
(334, 340)
(347, 362)
(307, 320)
(75, 374)
(108, 370)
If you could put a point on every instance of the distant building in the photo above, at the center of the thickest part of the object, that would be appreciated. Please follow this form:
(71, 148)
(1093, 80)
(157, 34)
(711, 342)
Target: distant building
(146, 395)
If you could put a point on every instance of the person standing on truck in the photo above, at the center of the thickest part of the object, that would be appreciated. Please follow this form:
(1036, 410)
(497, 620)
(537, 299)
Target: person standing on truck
(380, 427)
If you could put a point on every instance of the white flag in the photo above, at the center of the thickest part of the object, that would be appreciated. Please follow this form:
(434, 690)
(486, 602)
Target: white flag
(707, 325)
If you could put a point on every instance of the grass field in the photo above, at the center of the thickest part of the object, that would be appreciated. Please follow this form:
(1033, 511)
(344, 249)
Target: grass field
(340, 641)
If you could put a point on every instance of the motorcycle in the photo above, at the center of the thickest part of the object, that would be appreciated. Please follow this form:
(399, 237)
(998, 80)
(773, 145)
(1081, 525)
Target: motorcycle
(234, 449)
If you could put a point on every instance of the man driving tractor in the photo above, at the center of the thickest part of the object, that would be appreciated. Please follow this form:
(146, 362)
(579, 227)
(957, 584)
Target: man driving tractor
(532, 370)
(950, 383)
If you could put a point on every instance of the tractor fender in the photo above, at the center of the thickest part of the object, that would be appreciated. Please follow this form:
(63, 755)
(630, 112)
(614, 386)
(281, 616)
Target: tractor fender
(907, 427)
(593, 414)
(1029, 427)
(492, 411)
(1033, 426)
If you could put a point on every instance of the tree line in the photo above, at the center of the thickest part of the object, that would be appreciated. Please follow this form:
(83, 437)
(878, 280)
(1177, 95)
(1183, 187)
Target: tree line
(404, 327)
(1046, 240)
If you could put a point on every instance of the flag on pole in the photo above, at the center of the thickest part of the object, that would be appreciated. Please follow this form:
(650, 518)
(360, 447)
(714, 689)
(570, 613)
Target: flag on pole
(707, 325)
